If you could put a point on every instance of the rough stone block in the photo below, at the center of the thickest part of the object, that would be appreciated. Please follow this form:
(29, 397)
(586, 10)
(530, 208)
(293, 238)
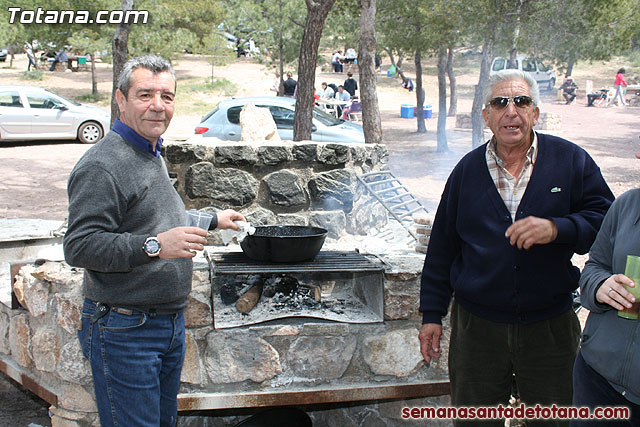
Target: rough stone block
(198, 312)
(285, 188)
(395, 353)
(72, 365)
(333, 154)
(240, 357)
(333, 221)
(274, 154)
(228, 185)
(46, 350)
(68, 312)
(192, 367)
(20, 340)
(322, 358)
(307, 153)
(236, 155)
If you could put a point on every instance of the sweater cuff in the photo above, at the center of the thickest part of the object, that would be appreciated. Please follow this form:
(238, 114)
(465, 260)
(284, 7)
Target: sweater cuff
(431, 317)
(214, 222)
(139, 256)
(566, 231)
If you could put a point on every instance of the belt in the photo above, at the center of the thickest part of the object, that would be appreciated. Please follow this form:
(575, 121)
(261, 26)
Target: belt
(103, 308)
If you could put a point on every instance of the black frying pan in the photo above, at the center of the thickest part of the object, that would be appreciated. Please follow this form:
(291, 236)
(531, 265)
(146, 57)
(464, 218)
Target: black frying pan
(284, 243)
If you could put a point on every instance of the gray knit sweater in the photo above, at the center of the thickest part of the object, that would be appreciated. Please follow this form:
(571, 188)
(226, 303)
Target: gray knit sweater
(119, 196)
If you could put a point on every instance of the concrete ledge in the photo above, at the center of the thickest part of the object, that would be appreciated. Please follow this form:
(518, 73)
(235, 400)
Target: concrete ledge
(22, 377)
(334, 394)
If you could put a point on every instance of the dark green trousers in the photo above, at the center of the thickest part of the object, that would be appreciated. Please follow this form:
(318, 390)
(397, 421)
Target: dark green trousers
(485, 357)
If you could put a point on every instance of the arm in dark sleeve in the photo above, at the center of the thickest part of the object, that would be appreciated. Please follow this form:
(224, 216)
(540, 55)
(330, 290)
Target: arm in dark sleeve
(590, 200)
(96, 210)
(599, 266)
(435, 285)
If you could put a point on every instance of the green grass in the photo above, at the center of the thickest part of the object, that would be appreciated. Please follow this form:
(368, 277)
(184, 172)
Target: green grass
(94, 98)
(220, 86)
(35, 75)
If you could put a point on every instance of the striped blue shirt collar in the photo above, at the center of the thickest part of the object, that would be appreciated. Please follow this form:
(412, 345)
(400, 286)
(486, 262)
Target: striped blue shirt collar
(135, 139)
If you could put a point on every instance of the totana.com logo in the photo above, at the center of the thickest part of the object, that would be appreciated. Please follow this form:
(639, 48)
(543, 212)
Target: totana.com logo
(41, 16)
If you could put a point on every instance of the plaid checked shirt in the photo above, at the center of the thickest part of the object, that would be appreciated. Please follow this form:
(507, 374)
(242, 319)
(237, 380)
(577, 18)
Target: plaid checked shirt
(511, 188)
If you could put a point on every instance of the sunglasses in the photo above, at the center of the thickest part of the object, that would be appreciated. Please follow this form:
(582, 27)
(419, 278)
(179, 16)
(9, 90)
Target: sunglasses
(502, 102)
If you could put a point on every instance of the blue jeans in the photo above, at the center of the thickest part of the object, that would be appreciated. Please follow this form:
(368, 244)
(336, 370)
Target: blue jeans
(136, 361)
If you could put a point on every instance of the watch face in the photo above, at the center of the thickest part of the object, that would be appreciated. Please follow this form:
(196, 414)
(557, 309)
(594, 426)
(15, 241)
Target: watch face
(152, 246)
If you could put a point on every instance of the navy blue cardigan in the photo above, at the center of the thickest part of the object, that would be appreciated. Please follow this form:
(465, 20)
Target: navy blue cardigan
(470, 257)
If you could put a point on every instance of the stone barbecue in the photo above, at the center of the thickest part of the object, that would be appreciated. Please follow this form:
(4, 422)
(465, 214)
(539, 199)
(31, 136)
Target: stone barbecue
(358, 370)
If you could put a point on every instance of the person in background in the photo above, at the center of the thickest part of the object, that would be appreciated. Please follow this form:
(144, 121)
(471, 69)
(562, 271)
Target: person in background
(126, 230)
(569, 88)
(350, 84)
(341, 95)
(336, 61)
(276, 84)
(30, 57)
(326, 92)
(378, 62)
(61, 56)
(290, 85)
(619, 85)
(512, 214)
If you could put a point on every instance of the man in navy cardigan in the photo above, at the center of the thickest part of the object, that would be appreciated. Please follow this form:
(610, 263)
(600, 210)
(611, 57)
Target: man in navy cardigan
(512, 214)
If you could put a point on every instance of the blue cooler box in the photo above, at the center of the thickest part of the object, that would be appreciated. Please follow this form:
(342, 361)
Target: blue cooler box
(428, 113)
(407, 111)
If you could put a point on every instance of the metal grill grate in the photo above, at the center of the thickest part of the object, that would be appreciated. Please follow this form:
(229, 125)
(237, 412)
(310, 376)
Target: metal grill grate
(330, 261)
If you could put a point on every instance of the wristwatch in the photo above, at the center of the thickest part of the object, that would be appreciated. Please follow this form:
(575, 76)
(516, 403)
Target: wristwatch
(152, 246)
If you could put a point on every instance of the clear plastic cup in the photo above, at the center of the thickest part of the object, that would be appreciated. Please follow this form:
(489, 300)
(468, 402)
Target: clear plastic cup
(196, 218)
(632, 271)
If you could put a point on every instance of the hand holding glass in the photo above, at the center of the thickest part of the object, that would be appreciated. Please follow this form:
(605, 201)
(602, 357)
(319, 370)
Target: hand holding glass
(196, 218)
(632, 271)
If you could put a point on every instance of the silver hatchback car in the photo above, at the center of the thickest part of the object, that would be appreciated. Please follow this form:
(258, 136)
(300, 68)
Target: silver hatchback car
(34, 113)
(224, 122)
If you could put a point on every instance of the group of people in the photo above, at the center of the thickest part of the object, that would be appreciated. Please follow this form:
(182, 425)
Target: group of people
(289, 85)
(569, 88)
(337, 60)
(343, 93)
(513, 213)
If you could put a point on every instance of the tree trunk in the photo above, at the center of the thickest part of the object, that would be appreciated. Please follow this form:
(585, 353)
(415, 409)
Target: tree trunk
(570, 64)
(317, 11)
(453, 102)
(477, 121)
(281, 53)
(120, 50)
(422, 128)
(371, 122)
(442, 100)
(513, 52)
(94, 78)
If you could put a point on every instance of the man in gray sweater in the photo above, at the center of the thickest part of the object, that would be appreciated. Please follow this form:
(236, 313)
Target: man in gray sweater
(126, 229)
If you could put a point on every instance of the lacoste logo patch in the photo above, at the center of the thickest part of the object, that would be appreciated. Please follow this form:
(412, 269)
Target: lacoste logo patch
(556, 189)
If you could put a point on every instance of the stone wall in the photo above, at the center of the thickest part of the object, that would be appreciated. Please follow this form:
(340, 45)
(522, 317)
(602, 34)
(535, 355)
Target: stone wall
(288, 355)
(283, 183)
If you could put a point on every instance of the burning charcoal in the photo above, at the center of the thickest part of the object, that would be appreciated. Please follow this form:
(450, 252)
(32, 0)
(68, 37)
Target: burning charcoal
(285, 285)
(230, 292)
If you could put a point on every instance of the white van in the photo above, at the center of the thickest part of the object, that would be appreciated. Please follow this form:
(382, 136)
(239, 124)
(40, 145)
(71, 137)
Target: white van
(545, 77)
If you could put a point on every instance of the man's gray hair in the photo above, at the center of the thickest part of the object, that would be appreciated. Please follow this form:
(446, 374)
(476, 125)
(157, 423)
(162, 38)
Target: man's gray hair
(153, 63)
(508, 75)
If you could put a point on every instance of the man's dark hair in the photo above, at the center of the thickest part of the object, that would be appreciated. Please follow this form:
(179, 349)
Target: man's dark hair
(349, 74)
(153, 63)
(621, 70)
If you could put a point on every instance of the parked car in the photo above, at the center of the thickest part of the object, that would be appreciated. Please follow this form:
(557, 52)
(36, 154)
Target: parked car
(3, 55)
(33, 113)
(224, 121)
(545, 77)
